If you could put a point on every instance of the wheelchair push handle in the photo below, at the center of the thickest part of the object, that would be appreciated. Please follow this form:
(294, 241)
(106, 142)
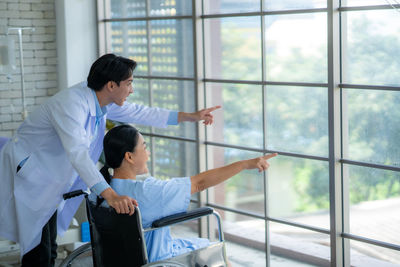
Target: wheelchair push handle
(75, 193)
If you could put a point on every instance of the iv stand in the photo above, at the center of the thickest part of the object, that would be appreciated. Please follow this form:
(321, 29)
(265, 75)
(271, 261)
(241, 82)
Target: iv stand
(21, 63)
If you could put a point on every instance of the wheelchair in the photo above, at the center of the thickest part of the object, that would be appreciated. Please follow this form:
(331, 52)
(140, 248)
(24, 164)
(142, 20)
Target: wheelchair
(118, 239)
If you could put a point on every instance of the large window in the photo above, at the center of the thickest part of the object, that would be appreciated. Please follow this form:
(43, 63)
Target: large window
(316, 81)
(159, 36)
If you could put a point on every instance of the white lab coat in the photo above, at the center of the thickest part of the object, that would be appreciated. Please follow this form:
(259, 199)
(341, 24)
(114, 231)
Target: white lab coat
(57, 139)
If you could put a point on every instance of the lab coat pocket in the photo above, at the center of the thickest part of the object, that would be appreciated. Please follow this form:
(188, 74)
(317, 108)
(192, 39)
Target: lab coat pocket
(31, 185)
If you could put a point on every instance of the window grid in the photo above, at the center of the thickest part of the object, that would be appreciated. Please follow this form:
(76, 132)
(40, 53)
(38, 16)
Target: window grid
(334, 108)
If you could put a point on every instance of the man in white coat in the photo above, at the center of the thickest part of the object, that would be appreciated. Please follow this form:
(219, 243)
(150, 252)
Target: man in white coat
(55, 150)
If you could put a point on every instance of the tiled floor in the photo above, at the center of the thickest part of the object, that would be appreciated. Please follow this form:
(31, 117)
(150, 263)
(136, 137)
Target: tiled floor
(241, 256)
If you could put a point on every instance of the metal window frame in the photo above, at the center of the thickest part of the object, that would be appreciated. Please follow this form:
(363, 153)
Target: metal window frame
(339, 205)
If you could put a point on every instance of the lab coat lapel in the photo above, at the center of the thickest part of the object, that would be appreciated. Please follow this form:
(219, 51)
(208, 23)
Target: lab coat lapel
(90, 95)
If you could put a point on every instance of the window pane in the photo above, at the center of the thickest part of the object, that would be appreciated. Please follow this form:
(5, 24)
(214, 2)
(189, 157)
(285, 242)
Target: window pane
(307, 247)
(298, 190)
(175, 158)
(241, 114)
(137, 8)
(371, 47)
(125, 8)
(176, 96)
(129, 39)
(230, 6)
(374, 203)
(245, 238)
(373, 119)
(233, 48)
(290, 4)
(140, 96)
(363, 254)
(296, 48)
(366, 2)
(140, 91)
(297, 119)
(172, 48)
(245, 190)
(170, 8)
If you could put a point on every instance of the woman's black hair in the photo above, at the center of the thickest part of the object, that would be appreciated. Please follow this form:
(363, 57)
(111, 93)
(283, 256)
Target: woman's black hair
(116, 143)
(109, 67)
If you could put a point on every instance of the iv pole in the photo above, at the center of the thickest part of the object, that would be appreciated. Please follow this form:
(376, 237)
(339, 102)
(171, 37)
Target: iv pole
(21, 63)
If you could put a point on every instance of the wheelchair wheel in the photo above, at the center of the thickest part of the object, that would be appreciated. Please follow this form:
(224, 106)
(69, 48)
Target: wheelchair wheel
(81, 256)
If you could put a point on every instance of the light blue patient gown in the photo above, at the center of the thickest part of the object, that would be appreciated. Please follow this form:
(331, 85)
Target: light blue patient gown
(157, 199)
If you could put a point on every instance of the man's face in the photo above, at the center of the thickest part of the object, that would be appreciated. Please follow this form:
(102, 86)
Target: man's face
(121, 92)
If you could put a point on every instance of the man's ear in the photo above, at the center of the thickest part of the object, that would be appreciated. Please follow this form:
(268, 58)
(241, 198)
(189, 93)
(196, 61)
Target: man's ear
(110, 85)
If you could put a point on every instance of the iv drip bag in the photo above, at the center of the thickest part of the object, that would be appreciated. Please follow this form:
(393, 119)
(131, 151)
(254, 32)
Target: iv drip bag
(7, 56)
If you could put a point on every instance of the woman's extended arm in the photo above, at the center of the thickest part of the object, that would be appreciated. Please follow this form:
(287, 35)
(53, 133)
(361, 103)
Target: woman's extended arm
(213, 177)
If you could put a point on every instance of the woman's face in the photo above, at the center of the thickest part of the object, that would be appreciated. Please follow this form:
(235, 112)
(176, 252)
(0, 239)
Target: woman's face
(141, 156)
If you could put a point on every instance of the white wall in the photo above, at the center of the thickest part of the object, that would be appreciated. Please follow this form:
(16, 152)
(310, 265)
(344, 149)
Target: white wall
(76, 40)
(40, 59)
(57, 55)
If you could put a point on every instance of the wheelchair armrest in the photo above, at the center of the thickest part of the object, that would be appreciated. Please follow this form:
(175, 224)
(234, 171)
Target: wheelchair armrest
(181, 217)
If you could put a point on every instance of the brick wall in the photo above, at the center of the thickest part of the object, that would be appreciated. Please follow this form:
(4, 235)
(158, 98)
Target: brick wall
(40, 59)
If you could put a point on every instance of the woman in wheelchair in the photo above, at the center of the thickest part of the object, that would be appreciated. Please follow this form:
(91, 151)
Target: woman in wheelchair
(126, 153)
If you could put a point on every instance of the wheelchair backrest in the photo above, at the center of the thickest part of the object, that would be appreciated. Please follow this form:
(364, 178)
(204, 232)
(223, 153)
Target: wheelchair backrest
(117, 239)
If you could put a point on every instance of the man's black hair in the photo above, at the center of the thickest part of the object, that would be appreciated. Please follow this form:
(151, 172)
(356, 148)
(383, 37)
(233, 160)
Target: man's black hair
(109, 67)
